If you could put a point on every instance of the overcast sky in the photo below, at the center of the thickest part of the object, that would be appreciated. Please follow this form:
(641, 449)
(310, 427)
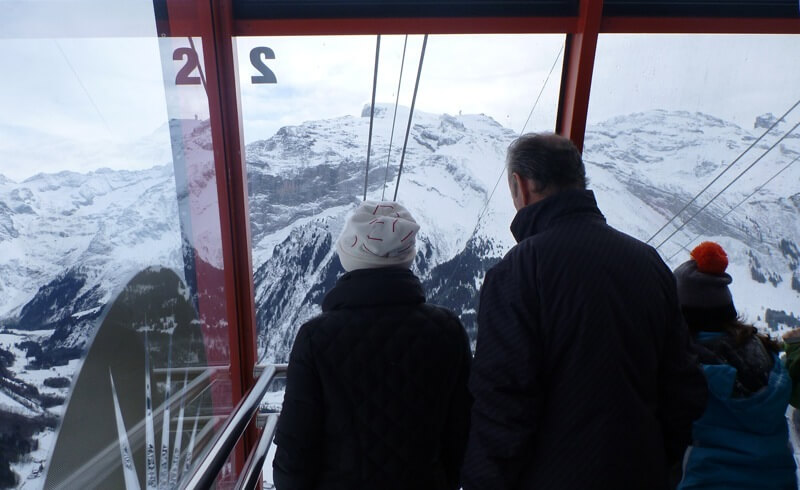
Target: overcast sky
(77, 103)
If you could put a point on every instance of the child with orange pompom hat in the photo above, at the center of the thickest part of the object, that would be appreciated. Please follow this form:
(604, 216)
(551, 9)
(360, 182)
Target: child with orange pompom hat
(742, 439)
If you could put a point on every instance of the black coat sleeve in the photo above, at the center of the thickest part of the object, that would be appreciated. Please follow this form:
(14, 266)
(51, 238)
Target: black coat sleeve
(457, 428)
(683, 390)
(298, 436)
(506, 378)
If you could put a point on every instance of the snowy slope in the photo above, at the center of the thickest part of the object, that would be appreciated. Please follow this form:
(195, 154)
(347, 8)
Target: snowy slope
(643, 168)
(646, 167)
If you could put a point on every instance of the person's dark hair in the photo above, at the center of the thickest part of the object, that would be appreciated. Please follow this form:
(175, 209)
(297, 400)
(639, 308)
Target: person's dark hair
(551, 161)
(740, 332)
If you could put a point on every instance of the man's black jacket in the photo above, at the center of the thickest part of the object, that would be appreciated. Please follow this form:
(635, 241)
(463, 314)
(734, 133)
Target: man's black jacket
(376, 393)
(583, 377)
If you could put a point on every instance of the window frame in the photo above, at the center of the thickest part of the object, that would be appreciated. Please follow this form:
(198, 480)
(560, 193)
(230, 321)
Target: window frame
(217, 21)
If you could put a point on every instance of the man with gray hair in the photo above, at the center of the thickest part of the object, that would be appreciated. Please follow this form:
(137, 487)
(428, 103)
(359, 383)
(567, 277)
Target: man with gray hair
(583, 375)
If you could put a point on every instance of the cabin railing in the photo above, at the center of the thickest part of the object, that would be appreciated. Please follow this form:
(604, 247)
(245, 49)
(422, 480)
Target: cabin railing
(205, 471)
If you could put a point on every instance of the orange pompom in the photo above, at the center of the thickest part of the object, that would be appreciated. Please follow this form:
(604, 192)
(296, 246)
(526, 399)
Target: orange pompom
(710, 258)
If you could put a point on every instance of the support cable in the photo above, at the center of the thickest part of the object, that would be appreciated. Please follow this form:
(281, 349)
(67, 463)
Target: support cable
(503, 170)
(728, 186)
(410, 116)
(481, 214)
(372, 112)
(394, 117)
(80, 82)
(774, 176)
(199, 65)
(722, 173)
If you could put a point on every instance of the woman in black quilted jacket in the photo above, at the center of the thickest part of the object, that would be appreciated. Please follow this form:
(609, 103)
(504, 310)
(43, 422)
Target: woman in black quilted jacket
(376, 391)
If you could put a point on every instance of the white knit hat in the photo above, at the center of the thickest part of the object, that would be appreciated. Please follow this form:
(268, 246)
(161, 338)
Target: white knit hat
(378, 234)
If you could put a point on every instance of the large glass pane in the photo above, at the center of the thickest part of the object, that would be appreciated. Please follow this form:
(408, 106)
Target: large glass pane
(114, 339)
(672, 121)
(306, 111)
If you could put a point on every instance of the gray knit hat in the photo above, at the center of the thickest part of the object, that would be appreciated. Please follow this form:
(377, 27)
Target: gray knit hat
(703, 290)
(378, 234)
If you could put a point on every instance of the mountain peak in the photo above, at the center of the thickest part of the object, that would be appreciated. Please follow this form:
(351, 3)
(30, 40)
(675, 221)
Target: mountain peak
(380, 110)
(765, 121)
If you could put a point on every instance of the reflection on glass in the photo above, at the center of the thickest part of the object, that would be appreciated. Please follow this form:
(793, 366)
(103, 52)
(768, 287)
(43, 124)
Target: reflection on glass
(688, 142)
(114, 339)
(306, 129)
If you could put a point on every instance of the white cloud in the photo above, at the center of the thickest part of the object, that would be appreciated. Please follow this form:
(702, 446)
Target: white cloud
(86, 95)
(734, 77)
(499, 75)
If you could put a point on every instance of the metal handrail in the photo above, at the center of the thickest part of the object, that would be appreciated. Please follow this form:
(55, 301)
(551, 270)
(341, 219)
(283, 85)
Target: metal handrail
(209, 466)
(255, 463)
(258, 369)
(107, 460)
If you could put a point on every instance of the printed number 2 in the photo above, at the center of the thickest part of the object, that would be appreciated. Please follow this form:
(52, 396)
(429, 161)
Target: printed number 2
(255, 58)
(184, 77)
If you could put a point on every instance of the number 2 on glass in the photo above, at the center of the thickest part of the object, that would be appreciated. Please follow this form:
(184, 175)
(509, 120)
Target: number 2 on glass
(183, 77)
(267, 76)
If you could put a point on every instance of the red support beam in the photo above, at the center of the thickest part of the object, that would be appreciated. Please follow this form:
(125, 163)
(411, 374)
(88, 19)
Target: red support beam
(423, 25)
(229, 123)
(225, 320)
(576, 76)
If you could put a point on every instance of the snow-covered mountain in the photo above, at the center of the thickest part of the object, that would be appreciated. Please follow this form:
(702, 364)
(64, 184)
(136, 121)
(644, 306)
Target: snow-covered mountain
(643, 167)
(646, 167)
(68, 241)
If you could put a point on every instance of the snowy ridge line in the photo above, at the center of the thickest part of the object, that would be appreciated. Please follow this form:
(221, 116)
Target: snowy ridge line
(735, 179)
(756, 190)
(728, 167)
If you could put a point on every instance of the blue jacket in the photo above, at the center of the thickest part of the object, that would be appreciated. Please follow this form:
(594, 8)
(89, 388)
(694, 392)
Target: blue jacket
(742, 443)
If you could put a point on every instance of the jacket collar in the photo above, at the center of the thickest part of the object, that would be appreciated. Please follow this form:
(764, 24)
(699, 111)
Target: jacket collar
(537, 217)
(374, 287)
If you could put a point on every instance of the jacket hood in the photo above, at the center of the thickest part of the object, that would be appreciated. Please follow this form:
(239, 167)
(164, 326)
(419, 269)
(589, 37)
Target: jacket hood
(364, 288)
(760, 413)
(537, 217)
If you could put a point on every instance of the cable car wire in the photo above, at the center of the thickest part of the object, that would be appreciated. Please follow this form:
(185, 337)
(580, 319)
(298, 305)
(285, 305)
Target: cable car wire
(774, 176)
(199, 65)
(372, 111)
(481, 214)
(80, 82)
(394, 117)
(503, 170)
(722, 173)
(410, 115)
(729, 185)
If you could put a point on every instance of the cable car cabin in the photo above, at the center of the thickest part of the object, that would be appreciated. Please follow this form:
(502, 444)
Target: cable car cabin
(174, 175)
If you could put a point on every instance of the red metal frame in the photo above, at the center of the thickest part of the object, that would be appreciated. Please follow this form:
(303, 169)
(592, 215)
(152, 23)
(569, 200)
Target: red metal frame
(214, 21)
(423, 25)
(236, 180)
(576, 76)
(582, 33)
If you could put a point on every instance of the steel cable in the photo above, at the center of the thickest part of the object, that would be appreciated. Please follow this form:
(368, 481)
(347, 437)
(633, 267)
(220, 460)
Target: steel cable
(774, 176)
(723, 172)
(394, 118)
(410, 116)
(481, 214)
(372, 111)
(727, 186)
